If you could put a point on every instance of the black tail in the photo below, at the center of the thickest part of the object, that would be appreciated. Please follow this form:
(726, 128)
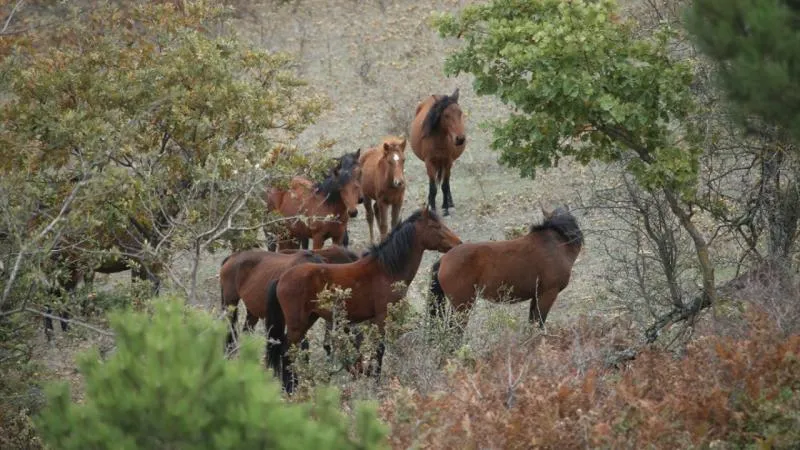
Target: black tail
(275, 324)
(436, 301)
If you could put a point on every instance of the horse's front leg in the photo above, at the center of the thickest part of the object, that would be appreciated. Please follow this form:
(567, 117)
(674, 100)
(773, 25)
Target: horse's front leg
(447, 201)
(370, 218)
(380, 321)
(396, 213)
(319, 241)
(383, 219)
(431, 169)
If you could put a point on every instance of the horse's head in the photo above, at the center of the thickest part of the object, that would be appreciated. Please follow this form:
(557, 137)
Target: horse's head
(446, 119)
(349, 184)
(452, 121)
(394, 156)
(351, 162)
(559, 211)
(435, 235)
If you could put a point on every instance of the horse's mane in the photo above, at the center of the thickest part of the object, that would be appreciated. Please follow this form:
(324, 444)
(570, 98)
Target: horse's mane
(332, 185)
(563, 223)
(431, 122)
(394, 251)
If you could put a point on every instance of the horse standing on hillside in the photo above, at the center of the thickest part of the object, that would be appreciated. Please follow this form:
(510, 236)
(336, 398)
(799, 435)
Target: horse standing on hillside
(73, 270)
(383, 183)
(536, 266)
(292, 306)
(245, 275)
(438, 138)
(337, 195)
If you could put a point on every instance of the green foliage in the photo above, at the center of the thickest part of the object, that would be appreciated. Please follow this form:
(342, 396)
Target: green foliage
(168, 123)
(574, 69)
(168, 385)
(756, 44)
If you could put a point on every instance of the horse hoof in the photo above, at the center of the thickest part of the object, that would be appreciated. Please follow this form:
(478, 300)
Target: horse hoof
(446, 212)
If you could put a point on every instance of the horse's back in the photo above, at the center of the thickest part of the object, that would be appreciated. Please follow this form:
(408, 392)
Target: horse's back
(498, 269)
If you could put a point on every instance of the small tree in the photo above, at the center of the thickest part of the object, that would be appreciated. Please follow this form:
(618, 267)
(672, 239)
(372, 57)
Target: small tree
(575, 70)
(169, 385)
(171, 124)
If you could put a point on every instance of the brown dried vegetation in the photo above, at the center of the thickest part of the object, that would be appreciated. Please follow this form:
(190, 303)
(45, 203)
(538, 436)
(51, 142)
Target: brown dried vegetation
(559, 390)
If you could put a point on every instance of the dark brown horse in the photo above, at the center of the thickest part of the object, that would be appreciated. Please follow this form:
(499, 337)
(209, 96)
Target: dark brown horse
(536, 266)
(323, 208)
(245, 275)
(292, 306)
(438, 138)
(383, 183)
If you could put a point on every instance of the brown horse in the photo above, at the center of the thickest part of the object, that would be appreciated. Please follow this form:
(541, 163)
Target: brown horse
(536, 266)
(245, 275)
(383, 182)
(337, 195)
(438, 138)
(292, 306)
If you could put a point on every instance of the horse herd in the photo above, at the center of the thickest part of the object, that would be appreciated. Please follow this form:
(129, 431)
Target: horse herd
(283, 285)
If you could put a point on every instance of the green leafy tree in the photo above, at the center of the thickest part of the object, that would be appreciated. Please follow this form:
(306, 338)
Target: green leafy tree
(576, 70)
(160, 127)
(756, 44)
(168, 385)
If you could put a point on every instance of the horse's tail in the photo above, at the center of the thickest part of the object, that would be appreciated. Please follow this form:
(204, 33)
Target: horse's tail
(276, 325)
(436, 301)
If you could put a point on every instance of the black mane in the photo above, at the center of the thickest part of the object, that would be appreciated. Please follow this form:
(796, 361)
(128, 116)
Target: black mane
(563, 223)
(431, 122)
(394, 251)
(338, 177)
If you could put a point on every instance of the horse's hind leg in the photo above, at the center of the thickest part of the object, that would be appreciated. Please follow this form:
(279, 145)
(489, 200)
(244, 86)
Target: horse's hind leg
(370, 217)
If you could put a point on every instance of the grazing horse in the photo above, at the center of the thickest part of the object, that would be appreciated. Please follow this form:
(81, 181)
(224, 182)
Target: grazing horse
(438, 138)
(536, 266)
(292, 306)
(337, 195)
(245, 275)
(383, 182)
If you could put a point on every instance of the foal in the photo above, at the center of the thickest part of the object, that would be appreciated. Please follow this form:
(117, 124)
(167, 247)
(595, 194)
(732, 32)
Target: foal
(292, 306)
(383, 183)
(536, 266)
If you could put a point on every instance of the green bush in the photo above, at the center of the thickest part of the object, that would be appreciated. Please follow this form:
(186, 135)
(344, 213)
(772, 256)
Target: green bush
(168, 385)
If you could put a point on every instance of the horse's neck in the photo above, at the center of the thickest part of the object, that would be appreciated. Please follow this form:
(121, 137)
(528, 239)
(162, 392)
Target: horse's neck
(412, 264)
(321, 207)
(570, 250)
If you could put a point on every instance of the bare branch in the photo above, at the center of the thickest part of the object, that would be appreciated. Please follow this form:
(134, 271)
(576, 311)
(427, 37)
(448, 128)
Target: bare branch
(11, 15)
(24, 250)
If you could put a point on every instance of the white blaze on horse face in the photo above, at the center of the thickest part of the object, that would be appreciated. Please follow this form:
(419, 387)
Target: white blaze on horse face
(396, 157)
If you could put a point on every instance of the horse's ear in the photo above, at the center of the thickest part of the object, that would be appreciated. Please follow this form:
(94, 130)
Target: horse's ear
(358, 153)
(454, 96)
(386, 146)
(547, 214)
(403, 144)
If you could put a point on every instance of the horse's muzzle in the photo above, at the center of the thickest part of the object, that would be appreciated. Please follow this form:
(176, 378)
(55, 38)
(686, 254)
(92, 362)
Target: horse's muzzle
(397, 183)
(353, 213)
(460, 140)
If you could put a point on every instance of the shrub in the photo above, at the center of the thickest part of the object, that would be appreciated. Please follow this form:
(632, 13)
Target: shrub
(559, 391)
(168, 385)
